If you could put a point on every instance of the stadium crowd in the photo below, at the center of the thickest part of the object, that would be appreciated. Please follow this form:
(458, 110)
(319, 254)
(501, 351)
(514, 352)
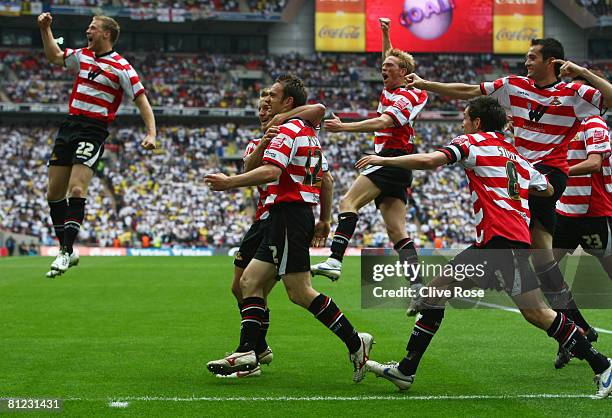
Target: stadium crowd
(254, 6)
(159, 197)
(343, 82)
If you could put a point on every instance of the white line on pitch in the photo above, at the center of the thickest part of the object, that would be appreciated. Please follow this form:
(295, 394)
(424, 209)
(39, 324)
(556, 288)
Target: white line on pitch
(330, 398)
(510, 309)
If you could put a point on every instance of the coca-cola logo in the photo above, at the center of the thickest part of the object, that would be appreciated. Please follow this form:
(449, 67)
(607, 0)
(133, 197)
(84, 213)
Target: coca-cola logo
(524, 34)
(344, 32)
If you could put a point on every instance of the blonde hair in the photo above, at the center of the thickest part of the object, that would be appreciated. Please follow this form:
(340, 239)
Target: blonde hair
(405, 59)
(109, 24)
(263, 93)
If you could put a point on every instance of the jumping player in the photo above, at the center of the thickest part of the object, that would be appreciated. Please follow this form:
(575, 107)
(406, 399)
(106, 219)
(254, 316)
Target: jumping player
(103, 77)
(386, 186)
(500, 180)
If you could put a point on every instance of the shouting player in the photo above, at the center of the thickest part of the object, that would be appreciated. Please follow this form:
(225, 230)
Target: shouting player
(584, 211)
(292, 170)
(386, 186)
(103, 77)
(546, 114)
(500, 180)
(252, 239)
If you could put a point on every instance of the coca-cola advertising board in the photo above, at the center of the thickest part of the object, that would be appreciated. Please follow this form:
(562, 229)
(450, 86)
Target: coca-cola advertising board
(340, 25)
(515, 23)
(432, 25)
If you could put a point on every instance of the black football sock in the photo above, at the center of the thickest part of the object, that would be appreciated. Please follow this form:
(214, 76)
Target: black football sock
(347, 221)
(262, 344)
(408, 255)
(58, 217)
(424, 330)
(553, 285)
(569, 337)
(74, 219)
(253, 309)
(326, 311)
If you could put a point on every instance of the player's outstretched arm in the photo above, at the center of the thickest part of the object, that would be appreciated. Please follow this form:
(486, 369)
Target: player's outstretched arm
(427, 161)
(253, 160)
(146, 113)
(453, 90)
(369, 125)
(261, 175)
(385, 23)
(313, 113)
(52, 51)
(569, 69)
(323, 226)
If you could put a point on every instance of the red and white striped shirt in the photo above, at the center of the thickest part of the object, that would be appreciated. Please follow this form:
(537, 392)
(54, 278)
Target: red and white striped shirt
(499, 179)
(100, 84)
(589, 194)
(262, 209)
(403, 105)
(545, 119)
(296, 149)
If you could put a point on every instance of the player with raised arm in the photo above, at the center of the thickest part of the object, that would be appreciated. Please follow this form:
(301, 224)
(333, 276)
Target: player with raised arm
(252, 239)
(393, 135)
(292, 169)
(584, 211)
(546, 114)
(500, 181)
(103, 77)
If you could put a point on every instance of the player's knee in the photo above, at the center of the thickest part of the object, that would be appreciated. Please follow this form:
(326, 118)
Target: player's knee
(77, 191)
(246, 285)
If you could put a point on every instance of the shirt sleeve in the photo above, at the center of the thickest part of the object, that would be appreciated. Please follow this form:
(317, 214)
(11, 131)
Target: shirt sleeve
(498, 89)
(592, 103)
(72, 59)
(537, 180)
(402, 108)
(596, 135)
(249, 150)
(325, 164)
(279, 150)
(458, 149)
(130, 82)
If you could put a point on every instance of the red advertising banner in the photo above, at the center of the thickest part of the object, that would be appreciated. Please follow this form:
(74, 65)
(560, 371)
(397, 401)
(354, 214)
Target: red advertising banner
(432, 25)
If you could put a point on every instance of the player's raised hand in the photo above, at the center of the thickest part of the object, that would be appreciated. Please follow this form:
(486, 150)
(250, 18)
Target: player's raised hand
(270, 133)
(414, 81)
(385, 22)
(44, 20)
(334, 124)
(321, 232)
(218, 181)
(569, 69)
(369, 160)
(148, 142)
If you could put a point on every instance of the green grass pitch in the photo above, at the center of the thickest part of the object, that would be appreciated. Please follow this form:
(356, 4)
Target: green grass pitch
(142, 329)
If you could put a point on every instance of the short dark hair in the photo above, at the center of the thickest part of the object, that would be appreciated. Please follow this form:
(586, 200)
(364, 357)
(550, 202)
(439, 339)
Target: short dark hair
(492, 115)
(293, 87)
(551, 48)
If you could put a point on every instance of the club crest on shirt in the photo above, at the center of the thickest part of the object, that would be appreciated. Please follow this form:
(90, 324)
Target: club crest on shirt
(555, 101)
(401, 103)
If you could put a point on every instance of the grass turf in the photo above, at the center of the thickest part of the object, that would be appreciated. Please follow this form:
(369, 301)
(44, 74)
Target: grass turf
(125, 328)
